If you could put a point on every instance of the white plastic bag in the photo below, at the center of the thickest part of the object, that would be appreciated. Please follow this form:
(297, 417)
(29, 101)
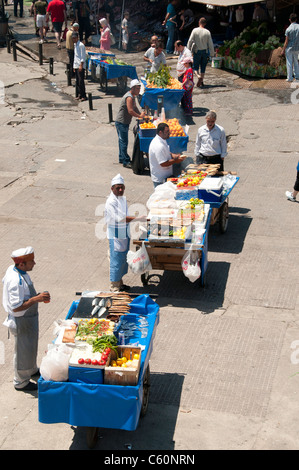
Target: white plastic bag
(191, 265)
(163, 196)
(55, 365)
(138, 261)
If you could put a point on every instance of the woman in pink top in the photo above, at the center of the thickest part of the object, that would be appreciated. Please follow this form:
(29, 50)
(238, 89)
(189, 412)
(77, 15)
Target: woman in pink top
(105, 41)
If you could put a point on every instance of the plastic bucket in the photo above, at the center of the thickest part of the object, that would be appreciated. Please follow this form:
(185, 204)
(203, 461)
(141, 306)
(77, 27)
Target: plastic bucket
(217, 62)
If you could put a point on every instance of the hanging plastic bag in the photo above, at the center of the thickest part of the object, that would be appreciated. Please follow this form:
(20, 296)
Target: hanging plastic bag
(55, 365)
(98, 71)
(191, 265)
(112, 39)
(138, 261)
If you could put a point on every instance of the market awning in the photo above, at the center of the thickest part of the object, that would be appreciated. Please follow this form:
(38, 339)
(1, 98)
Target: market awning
(227, 3)
(223, 3)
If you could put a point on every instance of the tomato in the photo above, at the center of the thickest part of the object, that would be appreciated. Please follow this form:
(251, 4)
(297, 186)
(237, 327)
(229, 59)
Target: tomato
(94, 362)
(81, 360)
(87, 361)
(102, 362)
(107, 350)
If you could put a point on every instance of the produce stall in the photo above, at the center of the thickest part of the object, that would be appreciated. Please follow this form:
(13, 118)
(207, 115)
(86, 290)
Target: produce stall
(180, 214)
(109, 338)
(158, 84)
(105, 67)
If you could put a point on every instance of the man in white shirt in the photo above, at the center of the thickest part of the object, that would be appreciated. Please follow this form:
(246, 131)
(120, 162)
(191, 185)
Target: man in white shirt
(117, 220)
(20, 301)
(183, 52)
(201, 44)
(155, 56)
(210, 145)
(161, 159)
(79, 66)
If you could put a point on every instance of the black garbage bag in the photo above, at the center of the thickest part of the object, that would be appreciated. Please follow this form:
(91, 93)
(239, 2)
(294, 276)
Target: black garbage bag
(138, 164)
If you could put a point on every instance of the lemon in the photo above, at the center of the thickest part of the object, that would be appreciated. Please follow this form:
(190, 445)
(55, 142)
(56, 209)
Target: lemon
(136, 356)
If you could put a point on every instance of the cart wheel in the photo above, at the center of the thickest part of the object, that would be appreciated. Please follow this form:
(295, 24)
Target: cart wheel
(91, 437)
(145, 278)
(223, 217)
(121, 84)
(103, 80)
(146, 390)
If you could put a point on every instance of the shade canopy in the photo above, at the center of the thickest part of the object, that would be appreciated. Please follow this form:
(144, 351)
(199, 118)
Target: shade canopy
(224, 3)
(227, 3)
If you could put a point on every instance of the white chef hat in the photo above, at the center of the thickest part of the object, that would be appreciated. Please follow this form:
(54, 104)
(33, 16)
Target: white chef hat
(23, 254)
(118, 179)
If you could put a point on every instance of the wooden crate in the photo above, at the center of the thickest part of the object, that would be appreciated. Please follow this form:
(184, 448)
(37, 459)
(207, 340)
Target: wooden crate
(123, 375)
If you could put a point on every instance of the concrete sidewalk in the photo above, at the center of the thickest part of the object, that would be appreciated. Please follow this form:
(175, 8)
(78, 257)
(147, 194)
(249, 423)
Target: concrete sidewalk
(222, 370)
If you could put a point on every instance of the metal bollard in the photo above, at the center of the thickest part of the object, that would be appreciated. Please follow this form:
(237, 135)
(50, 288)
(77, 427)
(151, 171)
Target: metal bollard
(110, 112)
(51, 66)
(90, 101)
(69, 74)
(14, 50)
(40, 54)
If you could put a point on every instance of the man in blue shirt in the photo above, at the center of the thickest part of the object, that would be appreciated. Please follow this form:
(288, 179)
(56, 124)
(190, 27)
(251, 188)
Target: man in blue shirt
(291, 49)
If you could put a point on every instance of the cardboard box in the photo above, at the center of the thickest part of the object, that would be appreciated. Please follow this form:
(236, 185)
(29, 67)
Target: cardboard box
(123, 375)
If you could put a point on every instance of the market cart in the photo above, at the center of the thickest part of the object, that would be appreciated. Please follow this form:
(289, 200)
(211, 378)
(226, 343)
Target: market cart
(103, 71)
(171, 98)
(92, 402)
(167, 255)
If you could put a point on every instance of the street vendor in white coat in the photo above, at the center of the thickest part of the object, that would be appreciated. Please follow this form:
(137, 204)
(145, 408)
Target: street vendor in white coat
(117, 219)
(20, 301)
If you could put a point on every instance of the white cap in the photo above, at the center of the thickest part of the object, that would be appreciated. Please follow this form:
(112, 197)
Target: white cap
(23, 254)
(118, 179)
(135, 82)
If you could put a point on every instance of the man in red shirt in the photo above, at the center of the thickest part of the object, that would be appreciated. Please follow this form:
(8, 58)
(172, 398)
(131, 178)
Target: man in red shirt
(57, 10)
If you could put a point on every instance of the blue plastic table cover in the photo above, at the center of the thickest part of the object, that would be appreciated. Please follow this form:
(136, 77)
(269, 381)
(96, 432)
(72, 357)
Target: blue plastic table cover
(171, 98)
(176, 144)
(100, 405)
(115, 71)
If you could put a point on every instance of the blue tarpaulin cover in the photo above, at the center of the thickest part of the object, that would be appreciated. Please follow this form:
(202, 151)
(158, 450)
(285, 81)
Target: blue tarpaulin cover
(171, 98)
(100, 405)
(115, 71)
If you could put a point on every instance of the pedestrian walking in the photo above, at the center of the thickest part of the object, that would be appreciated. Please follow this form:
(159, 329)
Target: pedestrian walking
(56, 8)
(188, 85)
(201, 44)
(291, 195)
(291, 49)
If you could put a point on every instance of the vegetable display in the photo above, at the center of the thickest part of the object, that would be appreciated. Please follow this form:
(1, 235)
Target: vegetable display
(163, 79)
(90, 329)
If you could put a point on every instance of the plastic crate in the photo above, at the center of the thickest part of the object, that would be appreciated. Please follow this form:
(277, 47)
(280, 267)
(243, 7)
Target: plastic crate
(148, 132)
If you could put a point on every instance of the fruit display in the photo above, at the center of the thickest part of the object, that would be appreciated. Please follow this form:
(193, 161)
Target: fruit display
(147, 125)
(90, 329)
(175, 128)
(113, 61)
(192, 180)
(126, 363)
(163, 79)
